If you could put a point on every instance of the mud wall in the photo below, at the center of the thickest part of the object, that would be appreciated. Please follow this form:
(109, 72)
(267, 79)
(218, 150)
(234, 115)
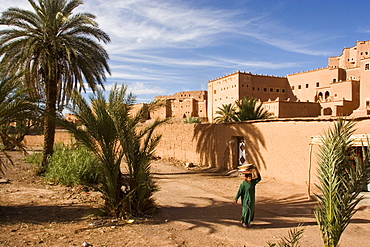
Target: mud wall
(280, 148)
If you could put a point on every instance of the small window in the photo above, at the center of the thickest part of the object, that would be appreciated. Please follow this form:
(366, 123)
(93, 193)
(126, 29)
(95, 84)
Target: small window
(366, 53)
(299, 86)
(271, 90)
(307, 85)
(278, 90)
(334, 80)
(292, 87)
(317, 84)
(283, 90)
(214, 91)
(265, 89)
(253, 88)
(258, 89)
(367, 66)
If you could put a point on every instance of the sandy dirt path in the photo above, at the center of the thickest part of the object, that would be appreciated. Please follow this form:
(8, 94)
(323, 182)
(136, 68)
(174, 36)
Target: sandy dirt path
(196, 208)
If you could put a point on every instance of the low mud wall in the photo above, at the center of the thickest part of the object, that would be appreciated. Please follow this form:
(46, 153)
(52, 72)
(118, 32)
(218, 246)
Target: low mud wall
(280, 148)
(37, 141)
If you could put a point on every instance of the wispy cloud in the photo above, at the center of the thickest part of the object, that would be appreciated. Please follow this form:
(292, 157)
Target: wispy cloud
(155, 41)
(137, 88)
(140, 24)
(136, 25)
(145, 25)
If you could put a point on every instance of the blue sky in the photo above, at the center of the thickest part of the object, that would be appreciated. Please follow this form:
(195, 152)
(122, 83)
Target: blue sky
(160, 47)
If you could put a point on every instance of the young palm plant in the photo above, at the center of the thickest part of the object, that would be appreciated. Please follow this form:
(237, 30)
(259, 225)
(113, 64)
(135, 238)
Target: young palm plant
(250, 109)
(15, 106)
(294, 236)
(110, 131)
(342, 175)
(226, 114)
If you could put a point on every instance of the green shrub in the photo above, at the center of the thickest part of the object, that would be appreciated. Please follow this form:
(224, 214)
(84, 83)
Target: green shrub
(192, 120)
(72, 166)
(34, 158)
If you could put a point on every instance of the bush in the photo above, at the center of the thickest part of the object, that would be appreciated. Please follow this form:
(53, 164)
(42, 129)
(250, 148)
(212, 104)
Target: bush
(192, 120)
(72, 166)
(34, 158)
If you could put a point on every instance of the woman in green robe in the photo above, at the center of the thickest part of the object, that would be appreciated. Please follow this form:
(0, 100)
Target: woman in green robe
(247, 194)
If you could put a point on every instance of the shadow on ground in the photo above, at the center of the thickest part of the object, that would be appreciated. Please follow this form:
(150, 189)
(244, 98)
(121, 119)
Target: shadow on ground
(40, 214)
(285, 213)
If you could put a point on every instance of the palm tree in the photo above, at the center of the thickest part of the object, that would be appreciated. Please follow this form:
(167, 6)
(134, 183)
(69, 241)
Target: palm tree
(342, 175)
(250, 109)
(111, 133)
(15, 106)
(226, 114)
(58, 52)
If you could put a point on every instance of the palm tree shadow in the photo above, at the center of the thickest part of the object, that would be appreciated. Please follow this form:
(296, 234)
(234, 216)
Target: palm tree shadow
(284, 213)
(39, 214)
(217, 152)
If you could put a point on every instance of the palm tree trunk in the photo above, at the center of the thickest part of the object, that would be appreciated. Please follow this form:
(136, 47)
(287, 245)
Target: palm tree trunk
(49, 125)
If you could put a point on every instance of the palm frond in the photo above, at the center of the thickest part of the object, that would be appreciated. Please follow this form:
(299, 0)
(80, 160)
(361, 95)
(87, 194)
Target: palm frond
(342, 176)
(250, 109)
(112, 134)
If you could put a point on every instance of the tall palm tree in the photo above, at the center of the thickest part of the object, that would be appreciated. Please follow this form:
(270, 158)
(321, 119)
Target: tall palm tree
(342, 176)
(226, 114)
(15, 105)
(111, 133)
(57, 50)
(250, 109)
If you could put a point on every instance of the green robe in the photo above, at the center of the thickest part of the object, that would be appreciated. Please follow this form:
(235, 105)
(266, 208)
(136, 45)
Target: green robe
(247, 193)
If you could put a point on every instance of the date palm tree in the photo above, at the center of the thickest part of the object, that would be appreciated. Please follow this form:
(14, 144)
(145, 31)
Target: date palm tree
(111, 132)
(250, 109)
(226, 114)
(15, 105)
(342, 175)
(58, 50)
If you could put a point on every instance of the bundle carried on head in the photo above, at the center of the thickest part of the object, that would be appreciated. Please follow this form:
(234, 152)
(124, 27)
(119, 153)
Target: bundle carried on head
(248, 169)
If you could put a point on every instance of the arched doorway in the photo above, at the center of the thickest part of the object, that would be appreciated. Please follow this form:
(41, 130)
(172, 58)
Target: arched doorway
(327, 94)
(327, 111)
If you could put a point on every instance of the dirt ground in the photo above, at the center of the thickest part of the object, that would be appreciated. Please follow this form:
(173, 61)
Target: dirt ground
(195, 209)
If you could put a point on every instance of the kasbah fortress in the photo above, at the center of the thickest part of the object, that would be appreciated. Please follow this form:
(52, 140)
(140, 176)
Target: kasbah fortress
(305, 105)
